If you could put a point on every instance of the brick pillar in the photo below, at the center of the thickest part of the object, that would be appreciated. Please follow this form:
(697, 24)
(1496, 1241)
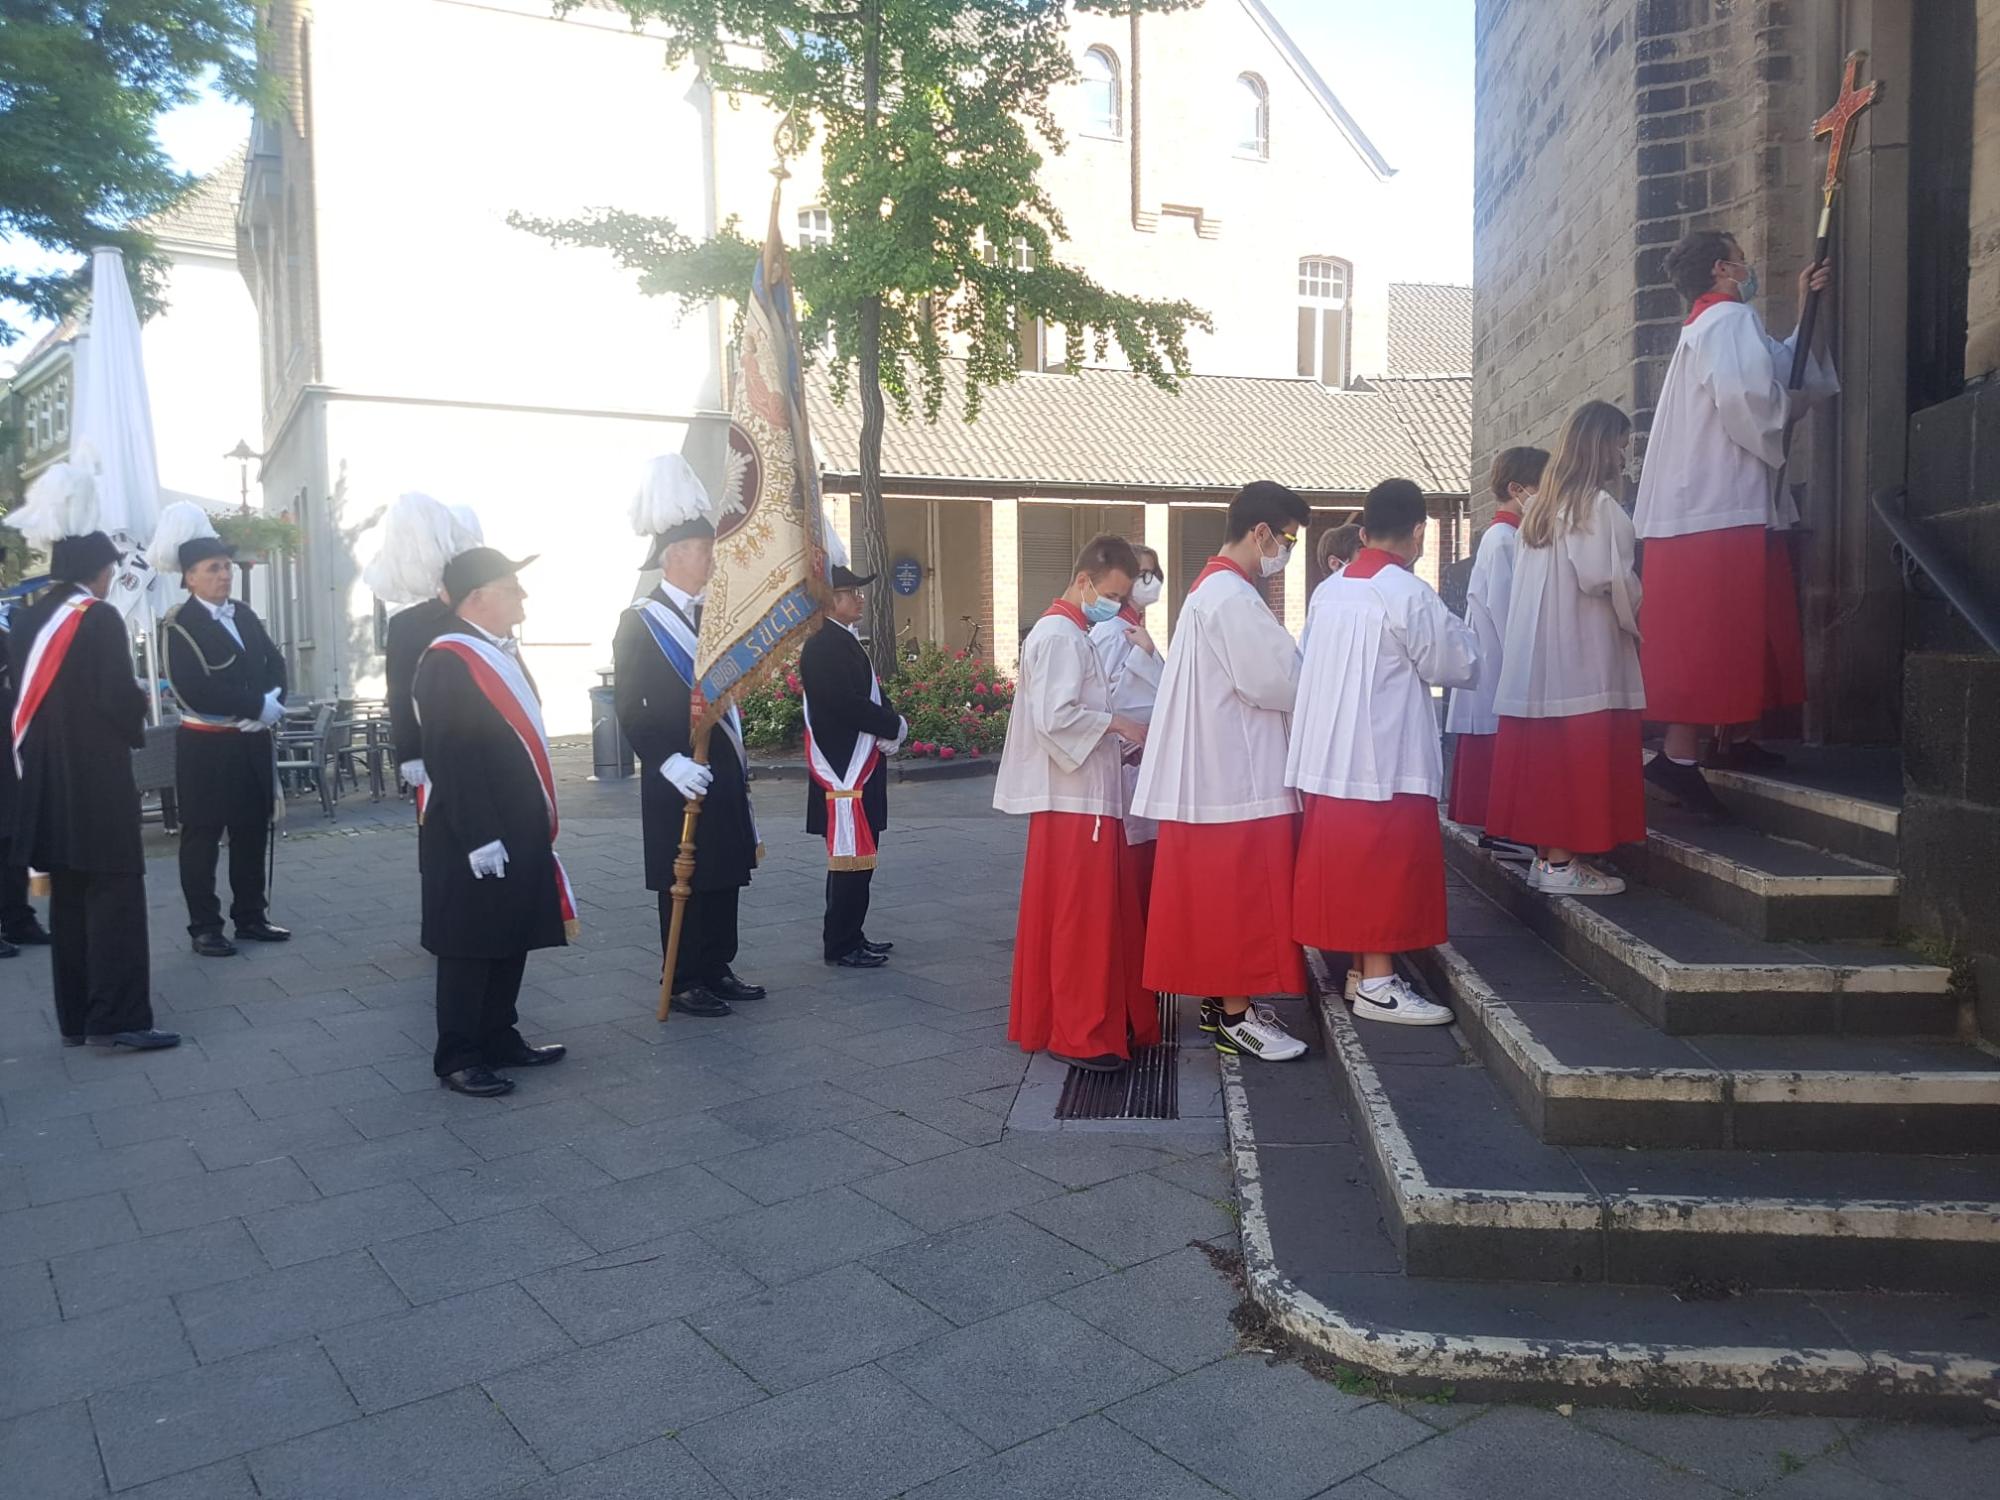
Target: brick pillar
(1294, 614)
(840, 519)
(1160, 537)
(1005, 566)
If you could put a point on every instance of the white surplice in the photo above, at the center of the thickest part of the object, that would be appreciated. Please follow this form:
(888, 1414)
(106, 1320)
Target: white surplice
(1486, 596)
(1060, 754)
(1135, 685)
(1572, 638)
(1365, 728)
(1215, 752)
(1718, 429)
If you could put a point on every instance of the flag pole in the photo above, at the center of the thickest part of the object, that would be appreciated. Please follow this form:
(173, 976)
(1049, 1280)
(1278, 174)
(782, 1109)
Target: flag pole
(683, 886)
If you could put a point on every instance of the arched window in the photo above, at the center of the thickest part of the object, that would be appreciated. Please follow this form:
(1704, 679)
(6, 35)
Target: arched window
(1253, 117)
(815, 227)
(1103, 104)
(1323, 292)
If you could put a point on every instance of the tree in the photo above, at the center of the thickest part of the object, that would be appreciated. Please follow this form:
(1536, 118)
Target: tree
(81, 83)
(927, 114)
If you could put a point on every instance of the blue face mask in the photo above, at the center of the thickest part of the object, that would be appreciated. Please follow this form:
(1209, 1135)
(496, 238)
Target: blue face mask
(1747, 287)
(1100, 609)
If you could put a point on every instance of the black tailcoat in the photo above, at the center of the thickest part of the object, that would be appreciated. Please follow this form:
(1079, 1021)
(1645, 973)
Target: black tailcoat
(483, 787)
(78, 807)
(410, 631)
(222, 778)
(655, 711)
(834, 672)
(8, 780)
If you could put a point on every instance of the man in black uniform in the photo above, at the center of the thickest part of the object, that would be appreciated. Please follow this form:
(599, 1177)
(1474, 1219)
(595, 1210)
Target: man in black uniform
(19, 926)
(409, 635)
(492, 886)
(230, 680)
(81, 717)
(653, 653)
(850, 720)
(420, 536)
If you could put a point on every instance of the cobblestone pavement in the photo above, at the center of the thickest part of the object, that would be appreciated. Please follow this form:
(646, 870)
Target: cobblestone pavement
(789, 1254)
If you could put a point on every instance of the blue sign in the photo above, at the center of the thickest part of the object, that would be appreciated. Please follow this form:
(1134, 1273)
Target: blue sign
(906, 576)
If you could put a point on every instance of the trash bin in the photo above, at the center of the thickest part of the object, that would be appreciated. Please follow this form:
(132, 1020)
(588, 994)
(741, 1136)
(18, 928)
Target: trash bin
(610, 751)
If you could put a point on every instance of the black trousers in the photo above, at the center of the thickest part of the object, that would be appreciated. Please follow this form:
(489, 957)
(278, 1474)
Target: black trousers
(846, 910)
(97, 931)
(201, 840)
(476, 1000)
(16, 915)
(708, 935)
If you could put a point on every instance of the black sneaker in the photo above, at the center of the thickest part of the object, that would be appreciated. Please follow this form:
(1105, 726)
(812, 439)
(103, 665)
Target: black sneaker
(1686, 788)
(1211, 1016)
(1745, 755)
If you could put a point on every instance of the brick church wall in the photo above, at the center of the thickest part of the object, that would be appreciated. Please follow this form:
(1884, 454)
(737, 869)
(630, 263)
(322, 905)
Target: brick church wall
(1982, 339)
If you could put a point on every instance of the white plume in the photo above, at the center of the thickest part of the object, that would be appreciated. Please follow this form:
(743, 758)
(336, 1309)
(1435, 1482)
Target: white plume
(419, 536)
(182, 521)
(671, 493)
(469, 533)
(61, 502)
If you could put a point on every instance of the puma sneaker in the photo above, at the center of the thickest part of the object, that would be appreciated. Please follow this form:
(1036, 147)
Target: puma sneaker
(1573, 879)
(1394, 1002)
(1211, 1016)
(1257, 1033)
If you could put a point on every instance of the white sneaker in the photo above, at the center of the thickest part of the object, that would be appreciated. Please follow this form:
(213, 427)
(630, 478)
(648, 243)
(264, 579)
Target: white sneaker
(1573, 879)
(1395, 1003)
(1260, 1034)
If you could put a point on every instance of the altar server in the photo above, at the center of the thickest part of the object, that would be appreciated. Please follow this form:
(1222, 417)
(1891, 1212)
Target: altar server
(493, 886)
(1076, 992)
(851, 731)
(1470, 717)
(1132, 664)
(77, 719)
(1364, 753)
(1566, 761)
(229, 678)
(653, 652)
(419, 536)
(1213, 776)
(1722, 639)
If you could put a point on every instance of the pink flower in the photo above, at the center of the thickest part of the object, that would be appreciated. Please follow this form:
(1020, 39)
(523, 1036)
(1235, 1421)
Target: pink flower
(792, 681)
(946, 752)
(979, 689)
(958, 656)
(922, 687)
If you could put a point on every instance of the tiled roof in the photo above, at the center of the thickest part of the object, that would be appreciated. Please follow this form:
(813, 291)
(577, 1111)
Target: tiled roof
(1436, 412)
(1430, 329)
(206, 213)
(1108, 429)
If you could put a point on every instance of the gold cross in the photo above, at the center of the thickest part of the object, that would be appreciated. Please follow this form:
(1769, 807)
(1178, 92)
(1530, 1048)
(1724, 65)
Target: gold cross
(1854, 97)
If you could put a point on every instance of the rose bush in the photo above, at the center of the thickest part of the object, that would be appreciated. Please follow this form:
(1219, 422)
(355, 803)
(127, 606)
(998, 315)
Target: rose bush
(774, 714)
(956, 703)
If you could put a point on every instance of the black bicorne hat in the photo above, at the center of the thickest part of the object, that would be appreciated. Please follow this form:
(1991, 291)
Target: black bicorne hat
(842, 578)
(475, 568)
(78, 559)
(700, 526)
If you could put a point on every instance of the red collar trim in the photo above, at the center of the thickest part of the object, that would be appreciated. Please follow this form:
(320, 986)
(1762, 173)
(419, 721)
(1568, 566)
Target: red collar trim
(1219, 564)
(1506, 518)
(1069, 612)
(1705, 301)
(1369, 561)
(1129, 614)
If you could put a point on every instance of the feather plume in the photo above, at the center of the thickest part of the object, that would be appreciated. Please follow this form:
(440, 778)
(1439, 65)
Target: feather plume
(182, 521)
(671, 494)
(419, 536)
(467, 532)
(61, 502)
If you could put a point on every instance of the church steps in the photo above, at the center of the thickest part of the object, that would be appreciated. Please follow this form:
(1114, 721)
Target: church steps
(1583, 1069)
(1686, 971)
(1852, 809)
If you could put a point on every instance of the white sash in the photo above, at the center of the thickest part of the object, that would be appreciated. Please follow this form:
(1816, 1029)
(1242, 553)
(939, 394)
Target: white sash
(670, 630)
(850, 844)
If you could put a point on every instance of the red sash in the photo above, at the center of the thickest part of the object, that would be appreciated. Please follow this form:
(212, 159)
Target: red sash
(1506, 518)
(850, 841)
(1219, 564)
(527, 727)
(1707, 300)
(46, 655)
(1129, 613)
(1369, 561)
(1070, 612)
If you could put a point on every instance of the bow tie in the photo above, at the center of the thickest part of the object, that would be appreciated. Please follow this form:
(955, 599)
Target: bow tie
(224, 611)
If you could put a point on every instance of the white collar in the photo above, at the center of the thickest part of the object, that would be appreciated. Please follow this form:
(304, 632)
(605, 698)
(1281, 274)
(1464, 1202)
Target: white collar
(503, 642)
(681, 599)
(225, 610)
(853, 630)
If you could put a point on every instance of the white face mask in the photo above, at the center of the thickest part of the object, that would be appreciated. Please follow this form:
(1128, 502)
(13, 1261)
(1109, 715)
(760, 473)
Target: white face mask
(1146, 590)
(1273, 563)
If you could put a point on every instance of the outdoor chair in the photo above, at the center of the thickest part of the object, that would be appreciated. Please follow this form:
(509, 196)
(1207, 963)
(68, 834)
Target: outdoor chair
(302, 752)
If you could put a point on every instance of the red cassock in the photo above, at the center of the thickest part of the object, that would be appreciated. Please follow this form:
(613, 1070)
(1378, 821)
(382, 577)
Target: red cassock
(1573, 783)
(1720, 626)
(1471, 783)
(1370, 875)
(1078, 942)
(1139, 860)
(1220, 922)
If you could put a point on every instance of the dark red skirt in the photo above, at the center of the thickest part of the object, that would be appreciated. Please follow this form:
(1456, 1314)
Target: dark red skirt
(1573, 783)
(1078, 942)
(1471, 779)
(1370, 876)
(1221, 918)
(1720, 623)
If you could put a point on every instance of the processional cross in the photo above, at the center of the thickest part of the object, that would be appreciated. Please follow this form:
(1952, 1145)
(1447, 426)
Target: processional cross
(1837, 124)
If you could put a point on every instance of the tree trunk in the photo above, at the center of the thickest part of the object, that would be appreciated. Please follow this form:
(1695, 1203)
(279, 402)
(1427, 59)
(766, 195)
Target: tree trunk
(871, 540)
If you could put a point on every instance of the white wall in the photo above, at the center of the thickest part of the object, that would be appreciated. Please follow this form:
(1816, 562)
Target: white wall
(201, 373)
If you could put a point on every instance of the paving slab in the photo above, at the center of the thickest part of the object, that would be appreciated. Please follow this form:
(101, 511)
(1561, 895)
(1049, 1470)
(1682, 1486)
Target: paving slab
(453, 1447)
(414, 1353)
(1131, 1219)
(181, 1261)
(804, 1164)
(1089, 1457)
(279, 1306)
(57, 1362)
(1174, 1310)
(638, 1286)
(52, 1454)
(617, 1214)
(660, 1470)
(973, 1272)
(803, 1235)
(947, 1191)
(807, 1330)
(1520, 1451)
(347, 1221)
(443, 1262)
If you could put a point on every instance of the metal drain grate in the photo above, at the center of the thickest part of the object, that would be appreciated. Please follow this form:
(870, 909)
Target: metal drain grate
(1147, 1090)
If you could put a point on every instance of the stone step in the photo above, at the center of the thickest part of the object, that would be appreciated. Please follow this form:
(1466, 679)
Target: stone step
(1849, 805)
(1772, 888)
(1583, 1069)
(1468, 1192)
(1686, 971)
(1350, 1245)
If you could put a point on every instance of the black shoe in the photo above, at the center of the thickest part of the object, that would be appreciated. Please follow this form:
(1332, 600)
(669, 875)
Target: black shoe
(1507, 849)
(213, 945)
(859, 958)
(1211, 1016)
(1109, 1062)
(27, 935)
(1686, 788)
(734, 990)
(699, 1000)
(1745, 755)
(138, 1041)
(262, 932)
(878, 947)
(72, 1041)
(8, 950)
(481, 1083)
(532, 1057)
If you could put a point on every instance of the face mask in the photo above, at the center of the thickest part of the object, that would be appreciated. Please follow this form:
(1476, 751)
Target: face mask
(1100, 609)
(1746, 286)
(1274, 563)
(1146, 592)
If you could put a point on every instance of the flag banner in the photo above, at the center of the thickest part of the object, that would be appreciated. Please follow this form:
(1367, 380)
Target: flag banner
(770, 565)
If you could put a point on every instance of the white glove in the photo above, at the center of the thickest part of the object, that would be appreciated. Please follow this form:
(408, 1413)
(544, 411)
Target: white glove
(273, 710)
(902, 733)
(413, 774)
(489, 859)
(689, 778)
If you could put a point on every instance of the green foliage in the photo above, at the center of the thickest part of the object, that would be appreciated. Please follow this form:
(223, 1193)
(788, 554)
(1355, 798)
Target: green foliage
(256, 535)
(81, 83)
(14, 566)
(956, 703)
(774, 715)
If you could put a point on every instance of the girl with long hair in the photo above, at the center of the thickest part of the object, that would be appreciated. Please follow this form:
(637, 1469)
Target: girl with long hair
(1567, 774)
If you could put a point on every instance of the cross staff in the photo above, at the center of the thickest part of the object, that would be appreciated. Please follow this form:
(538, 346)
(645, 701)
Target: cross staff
(1836, 124)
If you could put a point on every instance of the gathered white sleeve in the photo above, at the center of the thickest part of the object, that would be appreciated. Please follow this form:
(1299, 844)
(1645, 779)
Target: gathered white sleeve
(1063, 725)
(1821, 381)
(1443, 648)
(1259, 654)
(1743, 379)
(1602, 556)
